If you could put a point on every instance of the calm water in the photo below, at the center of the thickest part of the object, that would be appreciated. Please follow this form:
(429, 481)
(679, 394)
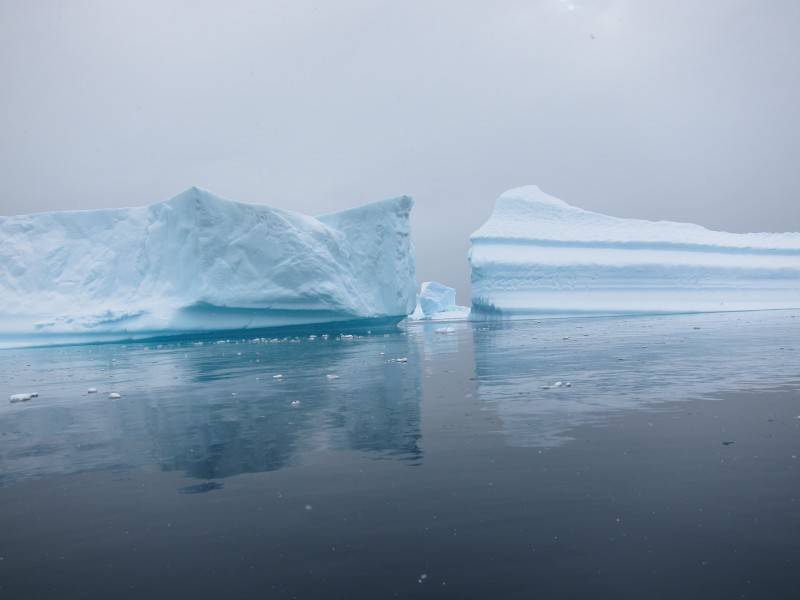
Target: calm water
(668, 468)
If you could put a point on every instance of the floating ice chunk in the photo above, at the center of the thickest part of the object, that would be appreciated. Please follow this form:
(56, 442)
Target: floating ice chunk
(295, 402)
(346, 336)
(114, 396)
(24, 397)
(332, 376)
(200, 262)
(402, 360)
(278, 376)
(438, 302)
(558, 384)
(91, 391)
(445, 330)
(435, 297)
(537, 255)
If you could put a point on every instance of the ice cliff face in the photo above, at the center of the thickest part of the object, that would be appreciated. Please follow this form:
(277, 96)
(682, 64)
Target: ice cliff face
(199, 262)
(537, 255)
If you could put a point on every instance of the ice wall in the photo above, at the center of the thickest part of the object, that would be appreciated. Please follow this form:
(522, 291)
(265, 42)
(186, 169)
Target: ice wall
(537, 255)
(200, 262)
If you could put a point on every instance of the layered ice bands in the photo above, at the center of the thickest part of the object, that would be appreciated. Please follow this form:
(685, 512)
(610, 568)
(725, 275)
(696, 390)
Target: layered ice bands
(198, 262)
(538, 256)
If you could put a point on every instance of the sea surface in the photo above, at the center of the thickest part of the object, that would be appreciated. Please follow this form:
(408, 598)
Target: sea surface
(647, 457)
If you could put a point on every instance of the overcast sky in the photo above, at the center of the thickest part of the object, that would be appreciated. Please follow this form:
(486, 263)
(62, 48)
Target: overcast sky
(675, 109)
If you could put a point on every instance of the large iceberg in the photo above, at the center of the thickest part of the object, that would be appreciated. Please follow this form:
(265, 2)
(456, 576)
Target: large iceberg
(537, 255)
(199, 262)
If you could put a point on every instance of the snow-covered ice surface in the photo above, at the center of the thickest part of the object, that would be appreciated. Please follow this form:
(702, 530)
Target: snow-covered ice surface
(437, 302)
(199, 262)
(537, 255)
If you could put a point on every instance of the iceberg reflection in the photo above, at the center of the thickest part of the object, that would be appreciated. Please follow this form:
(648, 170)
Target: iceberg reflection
(623, 363)
(211, 409)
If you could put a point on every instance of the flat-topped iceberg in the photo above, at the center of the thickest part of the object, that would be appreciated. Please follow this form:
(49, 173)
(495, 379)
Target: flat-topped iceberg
(537, 255)
(198, 262)
(437, 301)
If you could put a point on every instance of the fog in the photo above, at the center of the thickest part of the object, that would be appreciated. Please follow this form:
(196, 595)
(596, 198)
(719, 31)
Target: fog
(679, 110)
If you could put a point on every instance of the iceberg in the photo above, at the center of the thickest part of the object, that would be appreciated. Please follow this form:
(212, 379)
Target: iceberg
(199, 262)
(539, 256)
(438, 302)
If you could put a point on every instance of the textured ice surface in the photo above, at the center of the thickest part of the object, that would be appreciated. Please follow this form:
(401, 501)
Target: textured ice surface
(438, 302)
(200, 262)
(537, 255)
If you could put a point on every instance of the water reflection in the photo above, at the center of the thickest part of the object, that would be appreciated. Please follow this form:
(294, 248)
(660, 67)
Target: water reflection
(215, 408)
(209, 410)
(614, 364)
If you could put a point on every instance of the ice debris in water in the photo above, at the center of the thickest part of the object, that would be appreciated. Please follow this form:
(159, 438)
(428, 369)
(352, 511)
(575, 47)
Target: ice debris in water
(295, 402)
(91, 391)
(278, 376)
(332, 376)
(24, 397)
(445, 330)
(557, 384)
(114, 396)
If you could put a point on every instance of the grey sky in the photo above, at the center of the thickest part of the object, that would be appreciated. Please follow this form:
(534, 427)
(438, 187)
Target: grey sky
(679, 109)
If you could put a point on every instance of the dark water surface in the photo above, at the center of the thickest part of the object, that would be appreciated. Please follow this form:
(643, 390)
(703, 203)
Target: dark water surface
(667, 469)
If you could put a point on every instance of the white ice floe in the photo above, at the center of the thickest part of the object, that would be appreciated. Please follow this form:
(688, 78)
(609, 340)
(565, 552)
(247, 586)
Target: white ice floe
(200, 262)
(278, 376)
(445, 330)
(91, 391)
(537, 255)
(114, 396)
(23, 397)
(332, 376)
